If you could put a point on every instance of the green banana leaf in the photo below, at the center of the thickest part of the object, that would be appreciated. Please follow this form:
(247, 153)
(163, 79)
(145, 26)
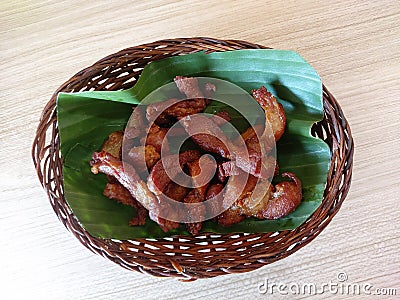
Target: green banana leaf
(86, 119)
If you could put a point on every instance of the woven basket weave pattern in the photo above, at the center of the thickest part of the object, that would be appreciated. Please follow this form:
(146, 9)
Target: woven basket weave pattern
(187, 257)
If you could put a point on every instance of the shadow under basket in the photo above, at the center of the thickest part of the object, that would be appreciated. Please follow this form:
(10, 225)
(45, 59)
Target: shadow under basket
(186, 257)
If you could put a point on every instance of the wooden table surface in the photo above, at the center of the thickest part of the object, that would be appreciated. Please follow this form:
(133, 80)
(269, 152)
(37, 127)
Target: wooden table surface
(355, 47)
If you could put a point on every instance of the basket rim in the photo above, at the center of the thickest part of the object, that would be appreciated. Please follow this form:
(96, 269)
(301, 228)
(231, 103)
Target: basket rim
(47, 168)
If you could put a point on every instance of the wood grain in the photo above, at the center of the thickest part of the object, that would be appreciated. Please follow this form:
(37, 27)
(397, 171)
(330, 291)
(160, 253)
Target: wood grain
(355, 47)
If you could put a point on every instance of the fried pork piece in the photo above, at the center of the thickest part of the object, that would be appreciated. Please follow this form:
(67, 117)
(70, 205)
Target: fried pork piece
(214, 192)
(274, 112)
(177, 193)
(235, 192)
(259, 144)
(221, 117)
(159, 179)
(136, 123)
(113, 144)
(117, 192)
(185, 108)
(225, 170)
(238, 188)
(106, 163)
(175, 108)
(259, 138)
(164, 120)
(143, 157)
(230, 216)
(207, 135)
(194, 212)
(166, 225)
(178, 130)
(189, 86)
(281, 200)
(201, 179)
(200, 175)
(156, 137)
(273, 203)
(209, 90)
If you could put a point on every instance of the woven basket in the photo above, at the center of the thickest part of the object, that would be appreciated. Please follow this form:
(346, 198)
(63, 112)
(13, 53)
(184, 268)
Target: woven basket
(187, 257)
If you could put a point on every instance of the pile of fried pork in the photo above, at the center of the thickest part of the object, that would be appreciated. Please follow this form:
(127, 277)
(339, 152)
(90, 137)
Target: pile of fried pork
(143, 183)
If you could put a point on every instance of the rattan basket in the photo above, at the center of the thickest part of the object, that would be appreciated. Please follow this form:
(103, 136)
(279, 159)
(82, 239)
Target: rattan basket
(206, 255)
